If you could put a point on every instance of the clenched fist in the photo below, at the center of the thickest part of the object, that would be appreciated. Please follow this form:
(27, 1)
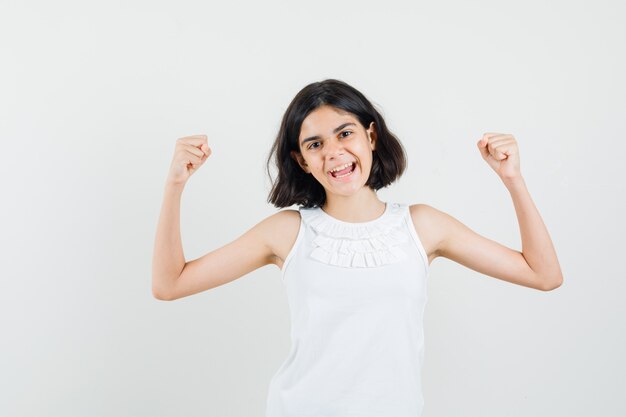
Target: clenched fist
(501, 152)
(189, 155)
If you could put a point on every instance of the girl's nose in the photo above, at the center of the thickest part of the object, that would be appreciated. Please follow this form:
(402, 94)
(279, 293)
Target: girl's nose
(334, 148)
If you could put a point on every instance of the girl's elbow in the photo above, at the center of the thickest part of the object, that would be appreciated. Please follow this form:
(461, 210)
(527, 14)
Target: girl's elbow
(553, 284)
(160, 294)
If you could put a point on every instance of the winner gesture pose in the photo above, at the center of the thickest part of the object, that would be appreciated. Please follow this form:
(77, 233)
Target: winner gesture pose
(354, 267)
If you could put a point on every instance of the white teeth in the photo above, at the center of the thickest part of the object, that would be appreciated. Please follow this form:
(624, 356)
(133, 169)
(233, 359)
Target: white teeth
(344, 175)
(339, 168)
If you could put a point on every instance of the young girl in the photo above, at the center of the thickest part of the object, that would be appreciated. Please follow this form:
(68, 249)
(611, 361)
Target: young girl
(354, 267)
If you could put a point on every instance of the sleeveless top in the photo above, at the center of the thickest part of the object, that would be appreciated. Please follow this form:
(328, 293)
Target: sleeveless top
(356, 294)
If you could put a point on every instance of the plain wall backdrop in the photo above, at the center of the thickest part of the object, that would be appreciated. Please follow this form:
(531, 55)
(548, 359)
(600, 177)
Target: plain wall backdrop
(93, 96)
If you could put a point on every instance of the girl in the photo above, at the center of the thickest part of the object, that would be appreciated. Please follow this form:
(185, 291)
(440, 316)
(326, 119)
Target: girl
(354, 267)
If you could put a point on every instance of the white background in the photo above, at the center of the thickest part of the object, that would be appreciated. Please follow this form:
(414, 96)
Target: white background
(94, 95)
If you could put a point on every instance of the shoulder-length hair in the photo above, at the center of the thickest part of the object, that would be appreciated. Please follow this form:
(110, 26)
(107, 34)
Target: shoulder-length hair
(293, 185)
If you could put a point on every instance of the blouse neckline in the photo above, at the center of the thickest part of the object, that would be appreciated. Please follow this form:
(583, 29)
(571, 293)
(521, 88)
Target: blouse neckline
(363, 244)
(357, 224)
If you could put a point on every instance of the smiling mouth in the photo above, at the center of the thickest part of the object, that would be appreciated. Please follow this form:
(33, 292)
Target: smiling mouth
(345, 172)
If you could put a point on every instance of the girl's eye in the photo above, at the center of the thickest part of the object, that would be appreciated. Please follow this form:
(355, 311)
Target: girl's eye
(315, 147)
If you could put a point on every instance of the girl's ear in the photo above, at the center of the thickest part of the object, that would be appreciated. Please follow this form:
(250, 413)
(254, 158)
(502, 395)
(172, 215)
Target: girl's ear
(371, 133)
(300, 160)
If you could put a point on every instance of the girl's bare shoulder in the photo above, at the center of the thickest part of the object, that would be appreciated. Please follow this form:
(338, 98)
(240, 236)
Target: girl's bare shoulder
(425, 221)
(284, 229)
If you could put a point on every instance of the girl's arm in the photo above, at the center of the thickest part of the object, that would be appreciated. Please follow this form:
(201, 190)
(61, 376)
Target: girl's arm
(536, 266)
(250, 251)
(172, 276)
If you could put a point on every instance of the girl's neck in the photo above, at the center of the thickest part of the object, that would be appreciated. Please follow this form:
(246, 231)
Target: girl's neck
(358, 208)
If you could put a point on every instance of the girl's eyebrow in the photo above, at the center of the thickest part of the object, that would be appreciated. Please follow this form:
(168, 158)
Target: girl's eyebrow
(337, 129)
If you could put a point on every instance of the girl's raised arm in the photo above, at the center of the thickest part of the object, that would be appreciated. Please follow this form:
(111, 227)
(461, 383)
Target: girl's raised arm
(174, 278)
(536, 266)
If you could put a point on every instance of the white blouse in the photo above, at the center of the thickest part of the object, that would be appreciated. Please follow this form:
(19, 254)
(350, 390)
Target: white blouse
(356, 294)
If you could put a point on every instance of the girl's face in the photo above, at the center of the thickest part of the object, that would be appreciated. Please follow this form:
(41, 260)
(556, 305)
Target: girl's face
(329, 140)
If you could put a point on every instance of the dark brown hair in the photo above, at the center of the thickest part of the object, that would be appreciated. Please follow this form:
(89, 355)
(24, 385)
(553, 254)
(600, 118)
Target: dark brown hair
(293, 185)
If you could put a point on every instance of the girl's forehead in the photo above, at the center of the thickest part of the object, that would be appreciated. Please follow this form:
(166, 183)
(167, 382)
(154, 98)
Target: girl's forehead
(321, 120)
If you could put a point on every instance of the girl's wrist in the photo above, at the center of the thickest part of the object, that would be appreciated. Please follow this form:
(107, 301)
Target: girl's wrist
(515, 182)
(174, 186)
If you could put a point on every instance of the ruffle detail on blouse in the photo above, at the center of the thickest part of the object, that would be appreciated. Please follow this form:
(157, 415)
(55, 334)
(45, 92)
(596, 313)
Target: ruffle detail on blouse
(364, 245)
